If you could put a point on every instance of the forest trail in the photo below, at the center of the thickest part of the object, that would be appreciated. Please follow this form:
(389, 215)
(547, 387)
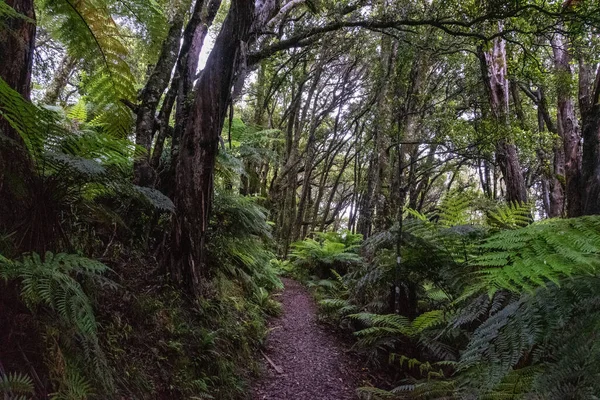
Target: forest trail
(312, 362)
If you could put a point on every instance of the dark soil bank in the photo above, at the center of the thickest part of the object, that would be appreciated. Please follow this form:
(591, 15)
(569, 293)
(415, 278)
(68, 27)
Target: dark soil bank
(312, 362)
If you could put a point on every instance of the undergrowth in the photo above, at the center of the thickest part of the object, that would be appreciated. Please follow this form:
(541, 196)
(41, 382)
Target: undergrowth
(110, 324)
(492, 306)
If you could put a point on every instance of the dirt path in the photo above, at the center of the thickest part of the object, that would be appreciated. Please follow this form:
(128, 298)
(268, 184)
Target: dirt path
(314, 365)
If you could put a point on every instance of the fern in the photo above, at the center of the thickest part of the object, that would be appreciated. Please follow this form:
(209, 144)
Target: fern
(13, 384)
(238, 237)
(156, 198)
(78, 112)
(373, 393)
(382, 329)
(512, 316)
(540, 253)
(49, 282)
(228, 168)
(552, 329)
(90, 33)
(439, 389)
(149, 20)
(49, 285)
(33, 124)
(51, 141)
(327, 252)
(454, 209)
(510, 216)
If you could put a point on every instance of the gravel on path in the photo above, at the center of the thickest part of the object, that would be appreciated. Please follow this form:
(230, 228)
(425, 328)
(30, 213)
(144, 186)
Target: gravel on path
(314, 363)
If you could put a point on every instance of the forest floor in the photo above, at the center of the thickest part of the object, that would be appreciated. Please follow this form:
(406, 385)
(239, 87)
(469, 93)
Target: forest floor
(303, 360)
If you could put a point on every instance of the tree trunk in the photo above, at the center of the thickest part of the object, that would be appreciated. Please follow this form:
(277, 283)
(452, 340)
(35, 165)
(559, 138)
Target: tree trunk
(568, 126)
(589, 94)
(150, 96)
(557, 197)
(181, 86)
(60, 80)
(494, 71)
(199, 146)
(17, 42)
(553, 166)
(366, 208)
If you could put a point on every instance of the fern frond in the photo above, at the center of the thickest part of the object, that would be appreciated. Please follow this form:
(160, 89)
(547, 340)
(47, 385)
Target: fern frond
(544, 252)
(454, 209)
(428, 320)
(510, 216)
(90, 33)
(49, 282)
(15, 383)
(156, 198)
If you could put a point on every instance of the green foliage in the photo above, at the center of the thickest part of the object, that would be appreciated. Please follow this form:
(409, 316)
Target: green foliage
(51, 286)
(540, 339)
(203, 348)
(523, 259)
(49, 282)
(7, 11)
(505, 310)
(509, 216)
(33, 124)
(16, 386)
(337, 251)
(155, 198)
(89, 32)
(76, 170)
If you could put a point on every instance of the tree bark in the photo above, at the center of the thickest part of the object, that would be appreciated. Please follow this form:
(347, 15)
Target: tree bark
(199, 146)
(183, 80)
(568, 126)
(589, 95)
(366, 208)
(179, 90)
(150, 96)
(494, 70)
(60, 80)
(553, 167)
(17, 42)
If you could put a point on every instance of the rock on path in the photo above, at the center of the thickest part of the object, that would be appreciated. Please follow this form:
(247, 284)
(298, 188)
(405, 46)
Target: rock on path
(315, 366)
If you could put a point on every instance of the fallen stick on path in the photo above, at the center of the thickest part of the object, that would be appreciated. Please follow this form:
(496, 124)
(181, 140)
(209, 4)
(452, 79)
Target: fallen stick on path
(275, 366)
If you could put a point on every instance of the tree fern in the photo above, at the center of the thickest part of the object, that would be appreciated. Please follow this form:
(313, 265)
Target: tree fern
(33, 124)
(512, 316)
(551, 330)
(543, 252)
(90, 33)
(326, 252)
(454, 209)
(149, 20)
(74, 167)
